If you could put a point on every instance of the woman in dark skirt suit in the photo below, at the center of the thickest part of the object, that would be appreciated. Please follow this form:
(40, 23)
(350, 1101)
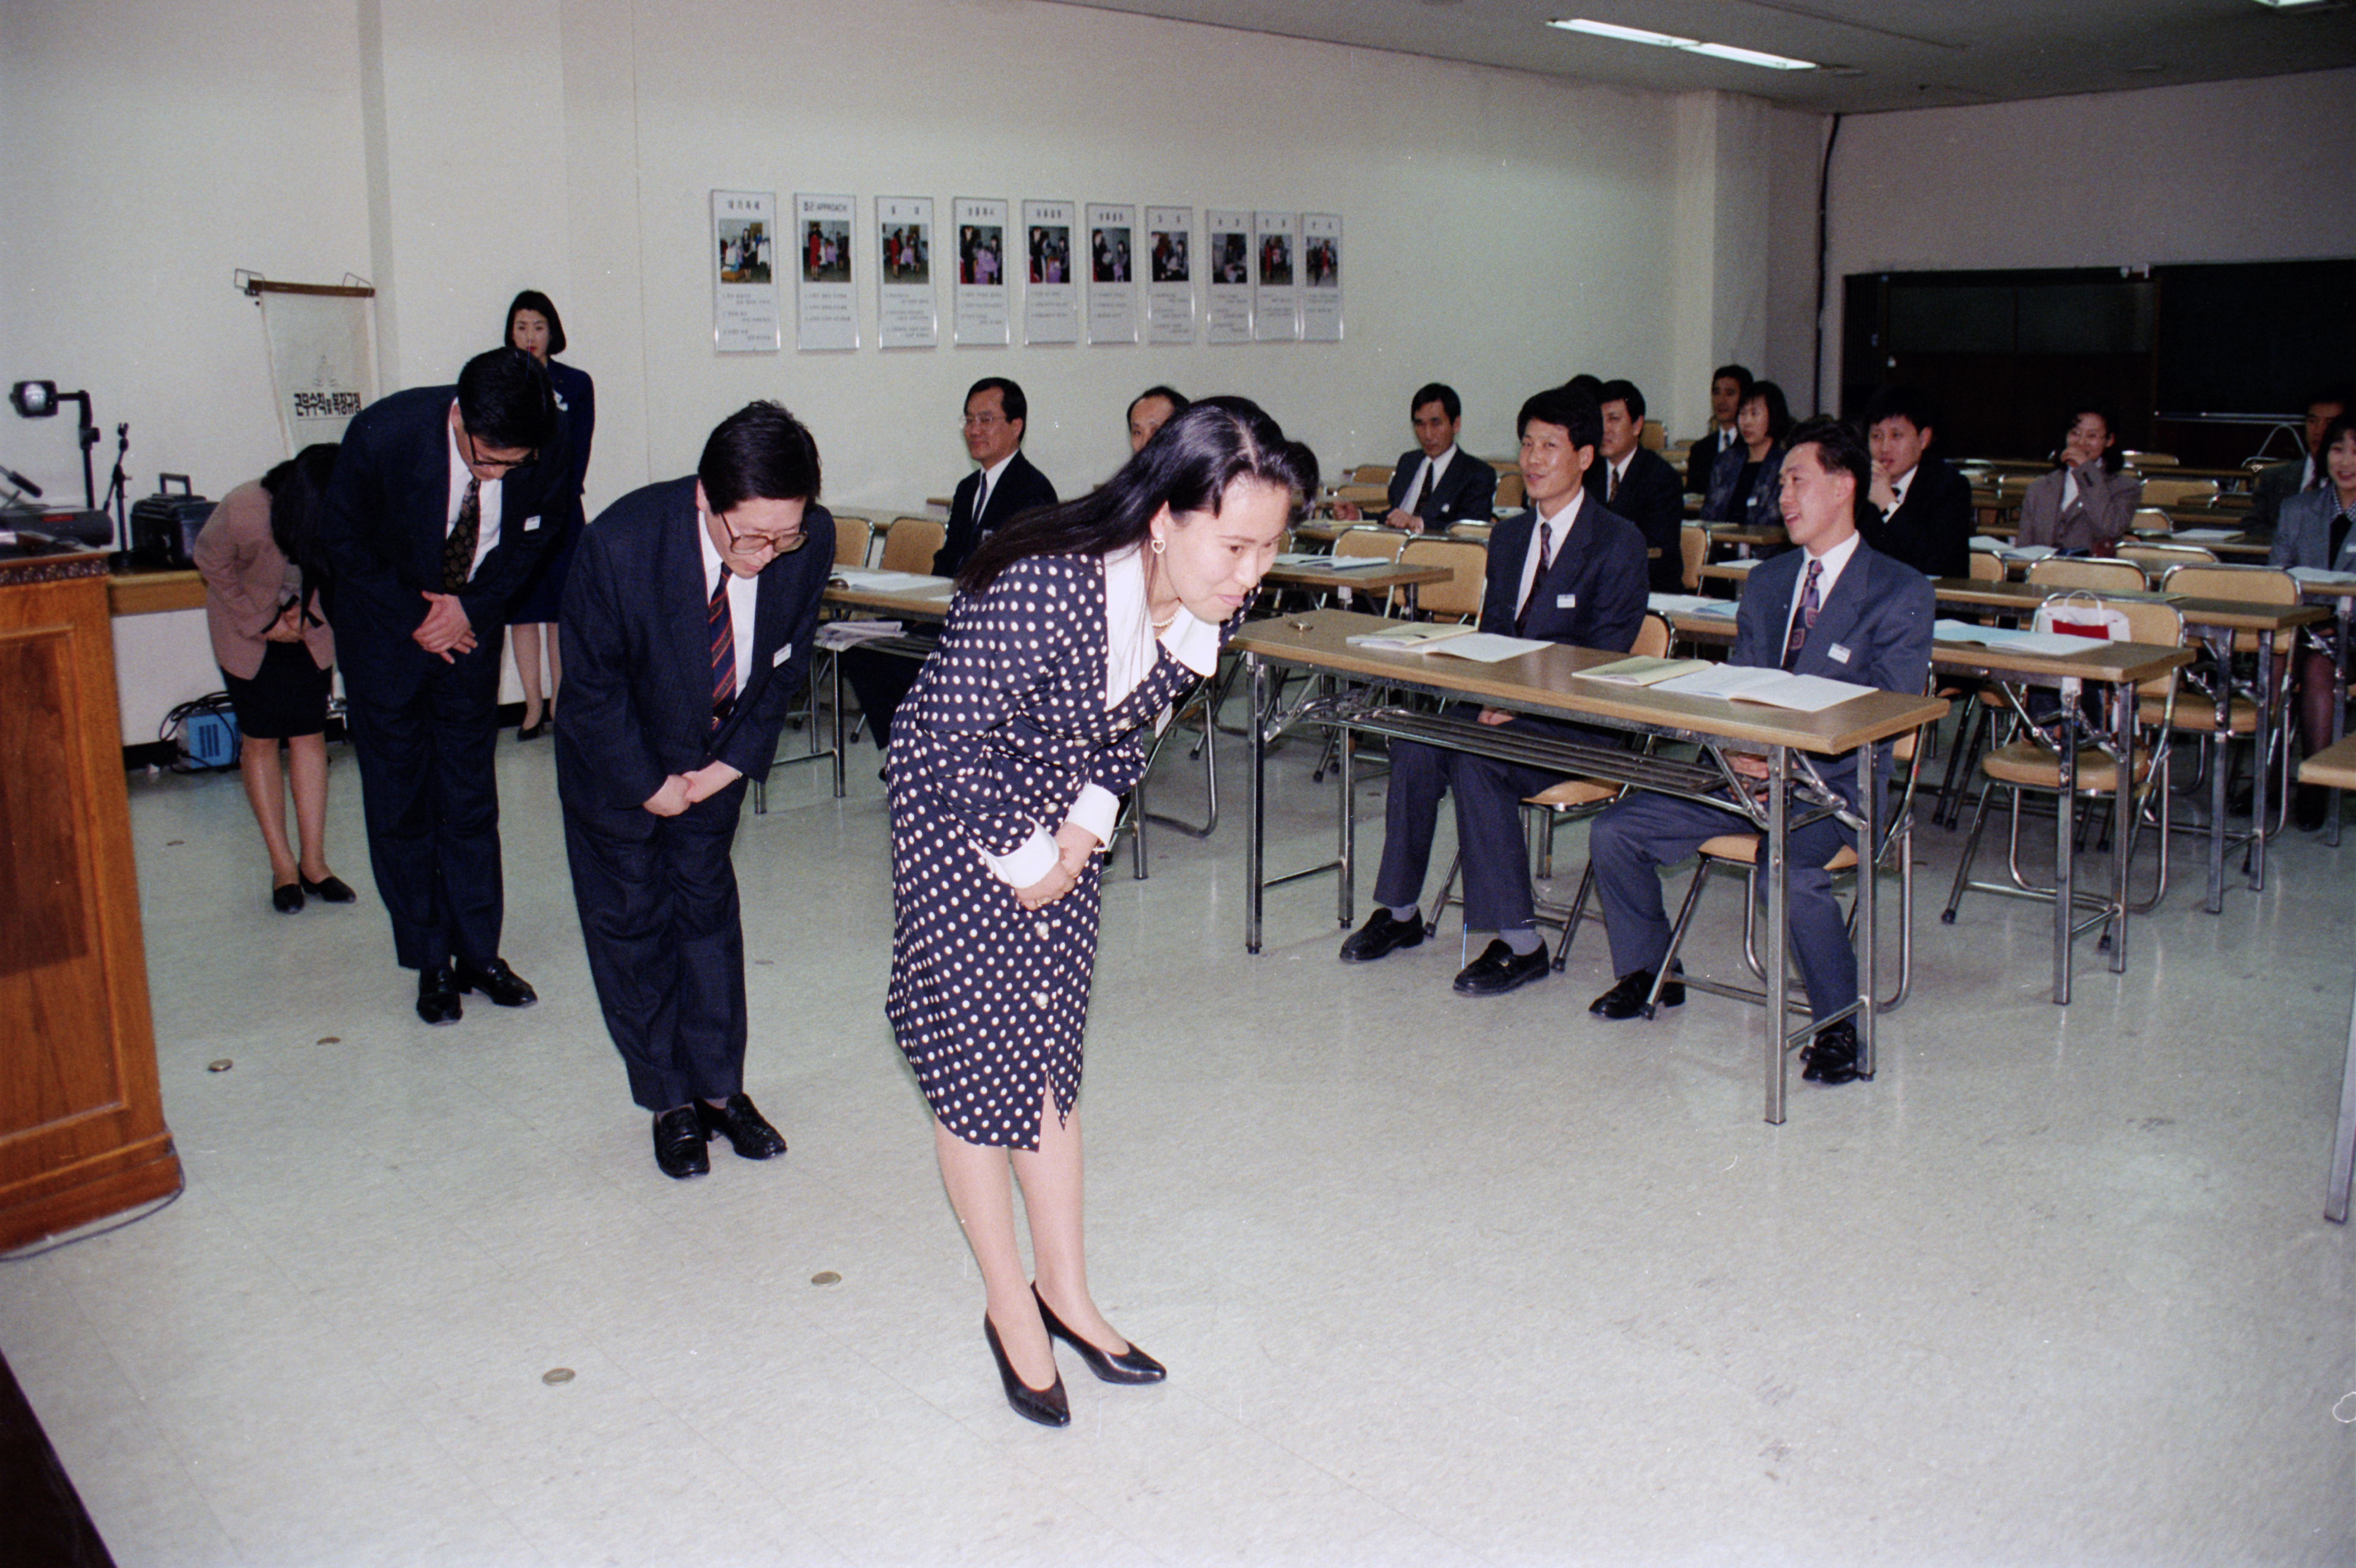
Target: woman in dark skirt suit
(277, 658)
(1074, 631)
(534, 326)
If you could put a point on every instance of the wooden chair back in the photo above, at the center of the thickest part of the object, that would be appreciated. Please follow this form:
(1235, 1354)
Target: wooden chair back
(2165, 555)
(1654, 436)
(1364, 496)
(1693, 546)
(2157, 622)
(1369, 539)
(851, 537)
(2164, 491)
(1372, 474)
(2149, 522)
(2251, 584)
(1509, 485)
(2149, 459)
(1988, 568)
(912, 542)
(2098, 576)
(1652, 638)
(1460, 596)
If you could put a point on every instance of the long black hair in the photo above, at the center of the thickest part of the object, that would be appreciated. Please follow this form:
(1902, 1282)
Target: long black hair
(298, 500)
(1187, 466)
(1778, 411)
(532, 299)
(2113, 459)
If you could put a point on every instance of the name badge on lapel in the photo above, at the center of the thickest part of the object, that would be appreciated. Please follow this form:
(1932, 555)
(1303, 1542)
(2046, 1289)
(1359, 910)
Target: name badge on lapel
(531, 522)
(1838, 654)
(1566, 601)
(784, 652)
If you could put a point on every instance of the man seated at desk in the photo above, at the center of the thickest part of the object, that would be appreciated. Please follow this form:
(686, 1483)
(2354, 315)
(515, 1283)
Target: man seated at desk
(996, 413)
(1729, 385)
(1439, 483)
(1567, 570)
(2278, 482)
(1924, 515)
(1638, 483)
(1855, 616)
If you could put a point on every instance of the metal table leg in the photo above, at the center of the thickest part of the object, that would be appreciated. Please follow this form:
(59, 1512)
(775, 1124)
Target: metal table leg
(2343, 1143)
(2124, 702)
(2269, 715)
(1256, 806)
(834, 675)
(1868, 871)
(1779, 911)
(2340, 615)
(1346, 859)
(2065, 811)
(2218, 771)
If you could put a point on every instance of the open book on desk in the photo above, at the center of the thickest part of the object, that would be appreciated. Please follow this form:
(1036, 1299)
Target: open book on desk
(1409, 637)
(875, 579)
(1753, 683)
(1643, 670)
(2050, 642)
(1689, 604)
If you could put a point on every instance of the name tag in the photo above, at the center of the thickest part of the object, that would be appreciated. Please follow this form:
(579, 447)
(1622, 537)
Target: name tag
(784, 653)
(1838, 654)
(1566, 601)
(531, 522)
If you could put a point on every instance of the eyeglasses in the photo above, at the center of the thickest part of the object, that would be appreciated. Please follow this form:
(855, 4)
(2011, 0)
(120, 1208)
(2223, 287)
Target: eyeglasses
(753, 543)
(984, 421)
(476, 459)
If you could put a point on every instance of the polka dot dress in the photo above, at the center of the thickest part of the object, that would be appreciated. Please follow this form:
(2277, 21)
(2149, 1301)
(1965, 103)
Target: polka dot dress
(1005, 723)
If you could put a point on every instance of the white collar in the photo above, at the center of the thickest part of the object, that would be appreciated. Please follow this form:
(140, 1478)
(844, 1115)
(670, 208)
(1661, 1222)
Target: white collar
(1191, 642)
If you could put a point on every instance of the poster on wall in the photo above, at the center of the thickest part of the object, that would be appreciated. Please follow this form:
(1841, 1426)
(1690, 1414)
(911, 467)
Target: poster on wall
(744, 284)
(322, 342)
(981, 314)
(825, 309)
(905, 314)
(1170, 274)
(1112, 273)
(1051, 301)
(1321, 277)
(1276, 298)
(1229, 318)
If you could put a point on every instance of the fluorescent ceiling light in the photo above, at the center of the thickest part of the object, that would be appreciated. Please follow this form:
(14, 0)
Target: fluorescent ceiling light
(2289, 5)
(1718, 51)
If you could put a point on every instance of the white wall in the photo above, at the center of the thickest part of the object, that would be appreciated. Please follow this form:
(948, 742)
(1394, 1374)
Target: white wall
(1503, 230)
(2228, 171)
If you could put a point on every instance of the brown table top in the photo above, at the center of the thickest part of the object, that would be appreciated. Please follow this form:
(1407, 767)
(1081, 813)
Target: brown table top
(2099, 662)
(1375, 578)
(152, 593)
(2334, 766)
(928, 602)
(1747, 533)
(1544, 681)
(2233, 615)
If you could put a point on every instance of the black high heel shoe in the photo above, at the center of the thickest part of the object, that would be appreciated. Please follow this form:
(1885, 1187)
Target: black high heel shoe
(1131, 1366)
(287, 896)
(330, 889)
(1047, 1406)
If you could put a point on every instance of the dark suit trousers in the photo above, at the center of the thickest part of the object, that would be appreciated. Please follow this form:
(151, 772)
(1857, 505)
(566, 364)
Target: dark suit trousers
(880, 681)
(1634, 837)
(431, 806)
(1489, 797)
(666, 942)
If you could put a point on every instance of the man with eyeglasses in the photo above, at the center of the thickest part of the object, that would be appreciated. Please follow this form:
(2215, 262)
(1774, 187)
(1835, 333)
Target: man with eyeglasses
(1006, 486)
(433, 524)
(687, 624)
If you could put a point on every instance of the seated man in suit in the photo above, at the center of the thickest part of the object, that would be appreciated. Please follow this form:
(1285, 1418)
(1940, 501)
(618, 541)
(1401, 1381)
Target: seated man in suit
(1834, 607)
(2277, 483)
(1638, 484)
(1924, 516)
(1568, 571)
(1727, 386)
(1149, 411)
(687, 624)
(1439, 483)
(996, 414)
(440, 506)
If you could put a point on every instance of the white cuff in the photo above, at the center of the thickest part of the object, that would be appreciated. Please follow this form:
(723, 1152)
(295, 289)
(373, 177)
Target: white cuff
(1097, 810)
(1027, 864)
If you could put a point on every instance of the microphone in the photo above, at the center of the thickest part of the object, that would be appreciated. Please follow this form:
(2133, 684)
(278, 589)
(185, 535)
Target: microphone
(19, 480)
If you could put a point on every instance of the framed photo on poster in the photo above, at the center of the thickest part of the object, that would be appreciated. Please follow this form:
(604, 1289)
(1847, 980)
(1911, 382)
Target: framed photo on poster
(1229, 319)
(1276, 293)
(1170, 274)
(906, 316)
(1112, 273)
(826, 312)
(982, 315)
(743, 277)
(1051, 295)
(1321, 277)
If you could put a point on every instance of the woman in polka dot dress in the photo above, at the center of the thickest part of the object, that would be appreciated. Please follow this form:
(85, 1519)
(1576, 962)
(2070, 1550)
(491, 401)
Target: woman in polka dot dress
(1074, 631)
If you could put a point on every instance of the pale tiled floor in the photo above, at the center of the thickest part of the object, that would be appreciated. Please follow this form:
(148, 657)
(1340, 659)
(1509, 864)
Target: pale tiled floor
(1441, 1281)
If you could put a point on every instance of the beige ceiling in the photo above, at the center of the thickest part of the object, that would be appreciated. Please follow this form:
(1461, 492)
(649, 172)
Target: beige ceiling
(1885, 54)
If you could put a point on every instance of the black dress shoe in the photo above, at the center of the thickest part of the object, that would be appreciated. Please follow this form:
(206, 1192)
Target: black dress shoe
(2310, 806)
(1626, 1000)
(532, 732)
(437, 995)
(680, 1150)
(742, 1123)
(1131, 1366)
(1500, 969)
(1047, 1406)
(1832, 1055)
(329, 890)
(494, 980)
(287, 898)
(1383, 934)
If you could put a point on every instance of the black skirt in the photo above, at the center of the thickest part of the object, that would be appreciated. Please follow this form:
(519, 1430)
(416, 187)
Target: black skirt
(287, 696)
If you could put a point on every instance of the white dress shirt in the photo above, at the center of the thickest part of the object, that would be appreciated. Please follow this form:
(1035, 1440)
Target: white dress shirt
(1132, 647)
(1900, 485)
(989, 478)
(1427, 473)
(743, 598)
(1550, 534)
(1829, 566)
(486, 535)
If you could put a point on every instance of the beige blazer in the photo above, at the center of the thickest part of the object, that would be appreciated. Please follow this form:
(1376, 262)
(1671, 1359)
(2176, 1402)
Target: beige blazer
(246, 579)
(2098, 515)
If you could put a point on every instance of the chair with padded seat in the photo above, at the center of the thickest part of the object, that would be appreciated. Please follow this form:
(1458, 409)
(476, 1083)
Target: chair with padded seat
(912, 542)
(1693, 550)
(2236, 691)
(2079, 571)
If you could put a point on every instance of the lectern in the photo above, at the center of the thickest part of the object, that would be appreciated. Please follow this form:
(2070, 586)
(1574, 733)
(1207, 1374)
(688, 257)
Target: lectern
(81, 1119)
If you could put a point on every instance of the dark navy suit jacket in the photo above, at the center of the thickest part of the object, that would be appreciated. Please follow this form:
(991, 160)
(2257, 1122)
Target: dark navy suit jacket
(1019, 489)
(1467, 492)
(1874, 631)
(1932, 529)
(1592, 595)
(1653, 498)
(637, 657)
(387, 518)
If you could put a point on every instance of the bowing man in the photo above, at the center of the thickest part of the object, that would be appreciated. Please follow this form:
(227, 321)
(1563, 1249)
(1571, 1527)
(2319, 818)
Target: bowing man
(443, 502)
(1836, 607)
(1565, 570)
(687, 624)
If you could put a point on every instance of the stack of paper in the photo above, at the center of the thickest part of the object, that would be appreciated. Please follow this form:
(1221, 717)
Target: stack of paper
(1409, 637)
(875, 579)
(1751, 684)
(840, 634)
(1688, 605)
(1349, 563)
(2318, 574)
(1642, 670)
(2048, 642)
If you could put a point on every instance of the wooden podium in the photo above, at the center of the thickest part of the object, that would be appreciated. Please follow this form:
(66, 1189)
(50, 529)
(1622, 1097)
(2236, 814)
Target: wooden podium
(82, 1118)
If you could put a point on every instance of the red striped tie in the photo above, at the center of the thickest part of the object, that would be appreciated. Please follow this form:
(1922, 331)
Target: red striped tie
(723, 653)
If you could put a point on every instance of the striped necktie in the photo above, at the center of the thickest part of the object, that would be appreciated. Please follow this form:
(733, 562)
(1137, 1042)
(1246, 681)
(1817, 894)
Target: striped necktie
(458, 549)
(1805, 621)
(1537, 579)
(723, 653)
